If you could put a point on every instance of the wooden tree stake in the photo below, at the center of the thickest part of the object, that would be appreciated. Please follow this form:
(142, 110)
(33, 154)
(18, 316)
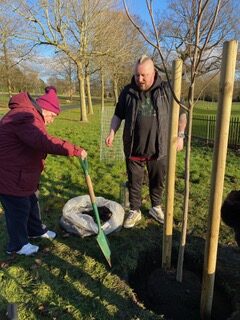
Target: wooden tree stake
(218, 172)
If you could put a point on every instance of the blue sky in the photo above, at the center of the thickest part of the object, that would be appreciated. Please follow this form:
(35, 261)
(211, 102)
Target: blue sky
(139, 7)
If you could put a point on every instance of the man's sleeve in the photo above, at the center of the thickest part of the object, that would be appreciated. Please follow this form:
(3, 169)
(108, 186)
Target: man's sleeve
(166, 91)
(120, 107)
(182, 110)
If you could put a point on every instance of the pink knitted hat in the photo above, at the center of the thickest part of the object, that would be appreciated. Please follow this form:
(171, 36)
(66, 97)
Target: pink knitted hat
(49, 101)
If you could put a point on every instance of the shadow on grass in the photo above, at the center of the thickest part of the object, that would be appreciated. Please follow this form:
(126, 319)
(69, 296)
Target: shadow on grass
(3, 307)
(81, 284)
(66, 287)
(81, 288)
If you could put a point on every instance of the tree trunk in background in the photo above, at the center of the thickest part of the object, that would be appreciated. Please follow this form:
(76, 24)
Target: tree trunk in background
(9, 85)
(115, 90)
(83, 115)
(102, 91)
(70, 80)
(89, 96)
(70, 89)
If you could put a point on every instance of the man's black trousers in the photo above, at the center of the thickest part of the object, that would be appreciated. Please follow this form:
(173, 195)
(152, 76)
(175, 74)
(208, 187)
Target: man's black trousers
(156, 170)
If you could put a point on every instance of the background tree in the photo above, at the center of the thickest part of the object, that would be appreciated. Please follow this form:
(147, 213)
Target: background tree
(70, 27)
(126, 46)
(122, 43)
(68, 74)
(12, 51)
(60, 72)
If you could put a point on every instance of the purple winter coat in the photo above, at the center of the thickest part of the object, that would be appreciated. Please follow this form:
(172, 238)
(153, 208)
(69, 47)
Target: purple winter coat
(24, 144)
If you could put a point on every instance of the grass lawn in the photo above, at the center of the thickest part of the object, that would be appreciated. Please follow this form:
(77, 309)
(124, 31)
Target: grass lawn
(204, 122)
(69, 278)
(210, 108)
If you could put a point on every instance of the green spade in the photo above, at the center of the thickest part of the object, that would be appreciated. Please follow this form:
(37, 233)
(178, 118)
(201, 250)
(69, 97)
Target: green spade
(101, 237)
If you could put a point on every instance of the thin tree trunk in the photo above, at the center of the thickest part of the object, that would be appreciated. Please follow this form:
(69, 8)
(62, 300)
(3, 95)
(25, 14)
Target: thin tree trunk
(188, 150)
(70, 82)
(9, 84)
(89, 96)
(115, 90)
(70, 88)
(186, 193)
(83, 113)
(83, 48)
(102, 91)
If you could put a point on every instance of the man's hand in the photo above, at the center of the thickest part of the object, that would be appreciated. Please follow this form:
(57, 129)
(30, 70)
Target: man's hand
(180, 143)
(181, 131)
(115, 124)
(109, 139)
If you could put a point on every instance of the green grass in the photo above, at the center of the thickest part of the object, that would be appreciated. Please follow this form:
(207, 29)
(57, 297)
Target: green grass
(204, 122)
(69, 278)
(210, 108)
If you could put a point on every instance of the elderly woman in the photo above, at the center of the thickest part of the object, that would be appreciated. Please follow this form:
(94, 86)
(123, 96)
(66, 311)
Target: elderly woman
(24, 144)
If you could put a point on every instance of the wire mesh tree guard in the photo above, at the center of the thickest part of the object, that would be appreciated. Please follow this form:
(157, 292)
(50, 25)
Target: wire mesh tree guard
(114, 153)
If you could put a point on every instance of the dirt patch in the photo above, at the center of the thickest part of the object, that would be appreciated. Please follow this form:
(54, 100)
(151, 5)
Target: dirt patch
(173, 299)
(159, 291)
(177, 300)
(104, 213)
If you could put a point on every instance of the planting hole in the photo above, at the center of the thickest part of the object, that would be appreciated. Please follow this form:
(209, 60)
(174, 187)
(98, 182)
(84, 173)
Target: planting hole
(159, 291)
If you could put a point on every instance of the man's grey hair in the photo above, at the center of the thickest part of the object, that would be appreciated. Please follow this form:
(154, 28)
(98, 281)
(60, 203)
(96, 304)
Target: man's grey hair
(143, 59)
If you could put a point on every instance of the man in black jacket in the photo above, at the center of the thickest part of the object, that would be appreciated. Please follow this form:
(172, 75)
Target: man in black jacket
(144, 105)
